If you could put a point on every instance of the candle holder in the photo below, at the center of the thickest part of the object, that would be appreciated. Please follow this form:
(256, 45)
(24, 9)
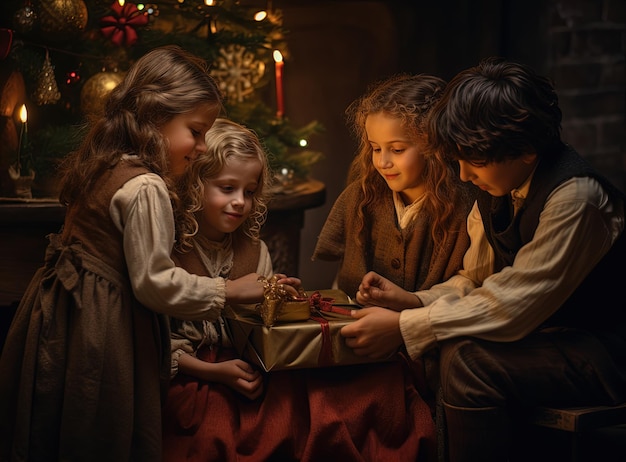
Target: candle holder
(22, 181)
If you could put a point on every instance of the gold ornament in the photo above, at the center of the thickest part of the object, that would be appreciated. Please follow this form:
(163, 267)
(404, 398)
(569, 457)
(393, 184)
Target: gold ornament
(237, 70)
(279, 305)
(62, 19)
(273, 294)
(96, 90)
(47, 91)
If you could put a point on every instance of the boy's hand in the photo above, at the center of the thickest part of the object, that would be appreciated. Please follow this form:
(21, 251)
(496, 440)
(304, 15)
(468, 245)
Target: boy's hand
(376, 333)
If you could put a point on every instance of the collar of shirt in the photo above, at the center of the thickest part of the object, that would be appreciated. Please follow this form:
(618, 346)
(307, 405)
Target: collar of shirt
(518, 195)
(406, 213)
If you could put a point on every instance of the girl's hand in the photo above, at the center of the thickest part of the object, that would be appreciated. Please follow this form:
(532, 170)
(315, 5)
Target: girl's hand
(240, 376)
(292, 284)
(235, 373)
(246, 289)
(376, 290)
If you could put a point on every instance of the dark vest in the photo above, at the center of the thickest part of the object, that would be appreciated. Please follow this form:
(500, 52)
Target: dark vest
(89, 221)
(599, 301)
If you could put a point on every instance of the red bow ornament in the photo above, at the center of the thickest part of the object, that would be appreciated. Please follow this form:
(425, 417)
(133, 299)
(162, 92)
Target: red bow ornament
(119, 26)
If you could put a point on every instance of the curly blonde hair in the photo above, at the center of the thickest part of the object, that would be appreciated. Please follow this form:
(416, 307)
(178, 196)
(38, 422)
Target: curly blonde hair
(410, 99)
(224, 140)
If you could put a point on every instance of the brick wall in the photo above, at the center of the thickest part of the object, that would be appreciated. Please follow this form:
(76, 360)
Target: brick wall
(587, 63)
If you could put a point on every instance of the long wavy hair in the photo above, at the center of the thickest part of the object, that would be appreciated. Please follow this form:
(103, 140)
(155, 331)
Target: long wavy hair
(225, 140)
(162, 84)
(410, 99)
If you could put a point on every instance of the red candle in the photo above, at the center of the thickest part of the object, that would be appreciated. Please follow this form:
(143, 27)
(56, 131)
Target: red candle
(280, 107)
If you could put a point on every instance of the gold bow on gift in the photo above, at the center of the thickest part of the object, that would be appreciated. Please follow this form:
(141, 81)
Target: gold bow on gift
(279, 305)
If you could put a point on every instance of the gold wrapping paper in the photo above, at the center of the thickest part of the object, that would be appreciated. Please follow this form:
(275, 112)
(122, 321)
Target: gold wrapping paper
(290, 345)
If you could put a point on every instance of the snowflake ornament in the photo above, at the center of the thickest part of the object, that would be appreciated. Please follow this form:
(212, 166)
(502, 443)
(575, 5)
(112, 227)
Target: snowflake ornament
(237, 70)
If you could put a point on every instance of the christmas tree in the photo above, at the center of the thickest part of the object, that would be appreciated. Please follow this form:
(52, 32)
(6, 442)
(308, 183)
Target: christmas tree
(71, 53)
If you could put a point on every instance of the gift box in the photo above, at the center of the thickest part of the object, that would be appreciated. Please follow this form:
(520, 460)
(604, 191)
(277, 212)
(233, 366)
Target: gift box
(314, 342)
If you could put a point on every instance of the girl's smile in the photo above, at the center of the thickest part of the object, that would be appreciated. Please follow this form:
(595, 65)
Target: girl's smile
(396, 155)
(228, 197)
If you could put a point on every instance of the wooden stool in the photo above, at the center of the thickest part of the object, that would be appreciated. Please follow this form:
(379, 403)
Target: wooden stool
(578, 420)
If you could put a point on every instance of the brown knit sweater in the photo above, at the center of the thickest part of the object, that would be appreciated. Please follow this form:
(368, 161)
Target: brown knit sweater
(407, 256)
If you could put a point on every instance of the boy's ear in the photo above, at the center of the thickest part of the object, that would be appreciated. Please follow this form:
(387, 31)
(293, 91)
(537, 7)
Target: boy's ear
(529, 158)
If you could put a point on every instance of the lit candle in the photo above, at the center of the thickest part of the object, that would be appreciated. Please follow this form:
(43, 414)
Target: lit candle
(23, 135)
(280, 108)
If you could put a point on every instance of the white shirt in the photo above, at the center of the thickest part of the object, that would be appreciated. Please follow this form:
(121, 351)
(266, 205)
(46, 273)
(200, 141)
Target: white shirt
(142, 211)
(576, 228)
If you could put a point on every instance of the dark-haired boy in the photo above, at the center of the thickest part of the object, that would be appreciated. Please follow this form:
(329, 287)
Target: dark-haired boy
(537, 315)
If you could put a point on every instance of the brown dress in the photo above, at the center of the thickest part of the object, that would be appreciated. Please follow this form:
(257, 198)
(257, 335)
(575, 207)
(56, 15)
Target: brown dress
(84, 367)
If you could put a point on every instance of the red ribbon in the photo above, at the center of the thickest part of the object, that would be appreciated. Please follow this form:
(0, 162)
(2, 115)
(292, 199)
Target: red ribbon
(119, 26)
(319, 303)
(326, 357)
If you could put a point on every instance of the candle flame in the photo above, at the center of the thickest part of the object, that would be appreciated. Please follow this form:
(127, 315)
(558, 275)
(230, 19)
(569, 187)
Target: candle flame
(260, 15)
(278, 57)
(23, 114)
(121, 2)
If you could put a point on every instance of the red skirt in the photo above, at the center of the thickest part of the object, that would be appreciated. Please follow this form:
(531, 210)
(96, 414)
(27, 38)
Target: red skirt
(367, 412)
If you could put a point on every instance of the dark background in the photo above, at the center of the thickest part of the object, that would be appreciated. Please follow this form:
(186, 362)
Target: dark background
(337, 48)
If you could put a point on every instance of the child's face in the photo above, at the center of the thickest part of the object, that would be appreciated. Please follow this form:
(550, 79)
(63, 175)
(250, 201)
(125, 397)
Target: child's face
(228, 197)
(396, 156)
(185, 135)
(499, 178)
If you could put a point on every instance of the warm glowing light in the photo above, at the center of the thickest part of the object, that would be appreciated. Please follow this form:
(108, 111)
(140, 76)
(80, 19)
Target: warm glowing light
(209, 2)
(303, 142)
(110, 85)
(280, 105)
(140, 6)
(23, 114)
(260, 15)
(121, 2)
